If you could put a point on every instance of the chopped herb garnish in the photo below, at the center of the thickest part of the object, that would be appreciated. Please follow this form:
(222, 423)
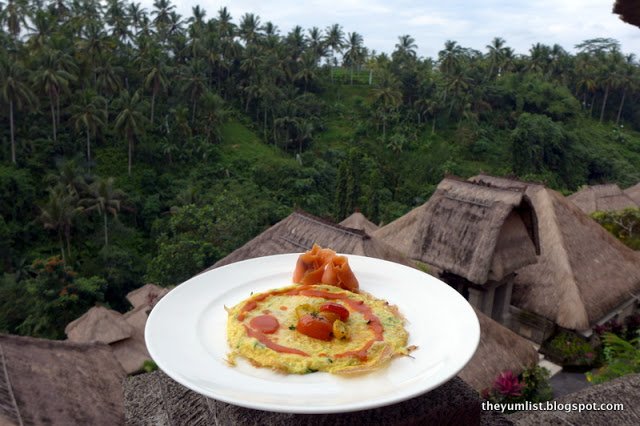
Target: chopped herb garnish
(292, 327)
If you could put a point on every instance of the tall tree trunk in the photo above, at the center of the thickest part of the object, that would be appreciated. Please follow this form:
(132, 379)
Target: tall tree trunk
(624, 94)
(88, 149)
(67, 235)
(264, 125)
(53, 119)
(106, 234)
(604, 102)
(64, 258)
(13, 138)
(153, 104)
(130, 140)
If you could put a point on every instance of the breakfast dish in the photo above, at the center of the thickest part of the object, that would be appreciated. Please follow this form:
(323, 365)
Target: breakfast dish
(186, 335)
(322, 323)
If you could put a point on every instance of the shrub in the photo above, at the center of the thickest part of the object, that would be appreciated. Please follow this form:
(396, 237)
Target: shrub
(572, 350)
(532, 385)
(622, 358)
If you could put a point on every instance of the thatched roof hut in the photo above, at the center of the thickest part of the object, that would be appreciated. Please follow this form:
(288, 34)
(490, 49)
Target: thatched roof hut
(633, 192)
(99, 324)
(299, 231)
(583, 272)
(477, 232)
(132, 352)
(500, 349)
(602, 198)
(359, 221)
(124, 333)
(59, 382)
(147, 295)
(628, 10)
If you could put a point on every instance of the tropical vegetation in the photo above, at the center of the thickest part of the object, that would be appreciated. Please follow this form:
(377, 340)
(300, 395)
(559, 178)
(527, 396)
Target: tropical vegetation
(141, 145)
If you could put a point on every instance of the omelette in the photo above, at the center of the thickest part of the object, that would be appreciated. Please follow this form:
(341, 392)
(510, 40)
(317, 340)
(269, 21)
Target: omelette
(304, 328)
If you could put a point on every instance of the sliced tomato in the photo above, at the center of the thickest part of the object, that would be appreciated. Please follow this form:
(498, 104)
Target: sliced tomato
(317, 327)
(336, 308)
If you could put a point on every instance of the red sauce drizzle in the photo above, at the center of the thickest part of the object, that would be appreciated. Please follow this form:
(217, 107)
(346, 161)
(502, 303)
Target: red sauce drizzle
(271, 344)
(307, 290)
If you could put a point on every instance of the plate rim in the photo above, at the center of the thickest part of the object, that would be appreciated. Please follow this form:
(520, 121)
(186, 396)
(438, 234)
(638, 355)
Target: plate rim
(300, 409)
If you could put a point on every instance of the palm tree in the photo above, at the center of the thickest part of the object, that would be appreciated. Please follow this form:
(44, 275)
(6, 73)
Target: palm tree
(43, 24)
(15, 14)
(162, 21)
(354, 55)
(194, 84)
(15, 92)
(155, 72)
(496, 55)
(118, 19)
(130, 120)
(307, 68)
(406, 46)
(69, 177)
(388, 96)
(539, 59)
(630, 81)
(136, 16)
(105, 199)
(450, 56)
(58, 214)
(53, 78)
(335, 39)
(609, 75)
(214, 115)
(90, 115)
(317, 43)
(248, 29)
(92, 46)
(109, 77)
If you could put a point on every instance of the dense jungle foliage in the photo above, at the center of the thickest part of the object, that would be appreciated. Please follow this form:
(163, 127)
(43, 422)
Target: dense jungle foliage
(142, 146)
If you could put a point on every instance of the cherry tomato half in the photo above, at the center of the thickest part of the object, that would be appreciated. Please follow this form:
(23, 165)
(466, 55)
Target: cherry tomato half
(336, 308)
(317, 327)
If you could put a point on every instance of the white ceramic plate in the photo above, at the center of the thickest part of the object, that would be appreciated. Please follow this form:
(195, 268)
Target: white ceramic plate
(186, 337)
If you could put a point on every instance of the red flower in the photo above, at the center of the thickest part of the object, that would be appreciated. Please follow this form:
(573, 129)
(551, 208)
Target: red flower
(507, 384)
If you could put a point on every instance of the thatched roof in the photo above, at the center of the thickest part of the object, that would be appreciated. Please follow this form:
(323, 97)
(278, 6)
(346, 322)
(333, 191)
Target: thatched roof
(99, 324)
(59, 382)
(299, 231)
(154, 398)
(359, 221)
(500, 349)
(132, 352)
(601, 198)
(629, 11)
(633, 192)
(147, 295)
(623, 390)
(583, 272)
(124, 333)
(477, 232)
